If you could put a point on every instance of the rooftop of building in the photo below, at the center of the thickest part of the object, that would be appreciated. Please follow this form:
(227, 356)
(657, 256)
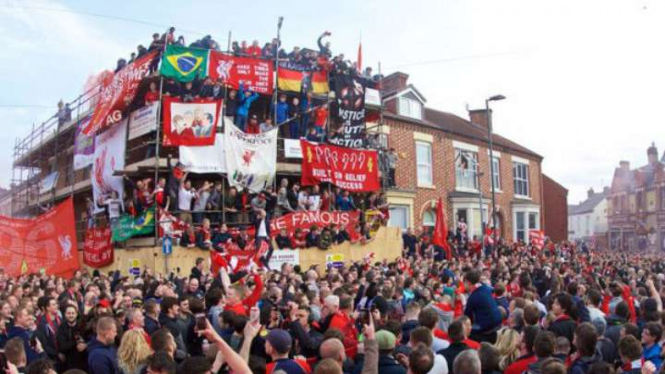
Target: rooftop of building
(588, 205)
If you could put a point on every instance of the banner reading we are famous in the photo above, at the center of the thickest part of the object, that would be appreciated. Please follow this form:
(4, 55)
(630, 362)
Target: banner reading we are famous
(351, 169)
(256, 74)
(116, 93)
(305, 220)
(45, 242)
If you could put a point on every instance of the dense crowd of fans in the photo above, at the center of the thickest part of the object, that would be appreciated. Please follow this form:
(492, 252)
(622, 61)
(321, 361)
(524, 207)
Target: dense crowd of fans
(550, 311)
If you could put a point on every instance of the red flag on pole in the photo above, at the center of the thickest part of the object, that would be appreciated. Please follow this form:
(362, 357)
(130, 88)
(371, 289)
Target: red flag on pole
(440, 234)
(360, 56)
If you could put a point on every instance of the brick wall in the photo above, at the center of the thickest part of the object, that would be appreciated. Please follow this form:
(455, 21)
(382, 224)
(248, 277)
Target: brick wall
(401, 137)
(555, 205)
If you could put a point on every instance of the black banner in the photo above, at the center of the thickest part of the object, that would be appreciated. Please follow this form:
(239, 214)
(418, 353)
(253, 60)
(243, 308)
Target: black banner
(349, 115)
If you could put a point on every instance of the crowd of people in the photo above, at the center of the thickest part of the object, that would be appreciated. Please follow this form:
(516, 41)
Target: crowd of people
(522, 310)
(214, 214)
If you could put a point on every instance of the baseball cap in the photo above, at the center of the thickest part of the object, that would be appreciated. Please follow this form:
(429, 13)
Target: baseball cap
(385, 339)
(280, 340)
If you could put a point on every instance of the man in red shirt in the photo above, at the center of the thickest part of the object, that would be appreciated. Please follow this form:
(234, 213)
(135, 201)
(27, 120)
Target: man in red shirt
(340, 309)
(239, 305)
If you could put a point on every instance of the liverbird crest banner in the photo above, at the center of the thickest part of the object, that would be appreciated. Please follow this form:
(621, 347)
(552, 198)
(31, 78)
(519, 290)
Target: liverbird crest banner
(351, 169)
(251, 159)
(43, 243)
(109, 158)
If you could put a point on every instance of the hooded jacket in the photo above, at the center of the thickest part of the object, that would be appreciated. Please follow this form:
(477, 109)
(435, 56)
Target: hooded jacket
(102, 358)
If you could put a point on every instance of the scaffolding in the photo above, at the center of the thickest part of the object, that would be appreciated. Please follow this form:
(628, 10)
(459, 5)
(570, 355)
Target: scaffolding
(37, 155)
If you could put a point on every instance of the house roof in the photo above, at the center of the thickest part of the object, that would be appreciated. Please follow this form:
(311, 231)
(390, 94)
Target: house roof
(588, 205)
(409, 87)
(454, 124)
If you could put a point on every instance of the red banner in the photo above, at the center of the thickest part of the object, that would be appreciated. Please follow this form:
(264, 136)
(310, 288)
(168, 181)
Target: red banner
(117, 91)
(256, 74)
(46, 242)
(97, 248)
(537, 238)
(305, 220)
(193, 123)
(347, 168)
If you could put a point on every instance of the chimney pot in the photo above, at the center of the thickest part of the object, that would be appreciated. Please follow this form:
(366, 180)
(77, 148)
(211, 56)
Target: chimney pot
(589, 193)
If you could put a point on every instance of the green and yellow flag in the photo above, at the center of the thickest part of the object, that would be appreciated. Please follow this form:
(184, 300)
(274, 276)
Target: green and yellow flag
(184, 64)
(127, 226)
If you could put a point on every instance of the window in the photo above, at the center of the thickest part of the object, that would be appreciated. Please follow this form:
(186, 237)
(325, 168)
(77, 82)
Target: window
(662, 198)
(410, 108)
(588, 225)
(424, 163)
(399, 216)
(527, 220)
(428, 218)
(496, 176)
(521, 178)
(466, 168)
(520, 227)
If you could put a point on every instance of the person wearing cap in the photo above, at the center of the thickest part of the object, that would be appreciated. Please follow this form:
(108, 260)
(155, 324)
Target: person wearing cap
(277, 346)
(253, 125)
(387, 364)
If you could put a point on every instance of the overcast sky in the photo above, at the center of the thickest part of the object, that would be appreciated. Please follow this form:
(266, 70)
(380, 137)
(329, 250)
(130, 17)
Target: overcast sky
(584, 79)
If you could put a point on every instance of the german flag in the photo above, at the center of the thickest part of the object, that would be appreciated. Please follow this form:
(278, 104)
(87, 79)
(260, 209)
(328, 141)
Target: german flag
(302, 81)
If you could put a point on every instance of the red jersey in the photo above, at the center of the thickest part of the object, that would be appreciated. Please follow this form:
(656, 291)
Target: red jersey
(242, 308)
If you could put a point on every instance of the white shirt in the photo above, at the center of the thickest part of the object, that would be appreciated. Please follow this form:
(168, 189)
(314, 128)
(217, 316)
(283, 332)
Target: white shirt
(262, 229)
(185, 199)
(113, 206)
(439, 344)
(595, 313)
(440, 365)
(314, 202)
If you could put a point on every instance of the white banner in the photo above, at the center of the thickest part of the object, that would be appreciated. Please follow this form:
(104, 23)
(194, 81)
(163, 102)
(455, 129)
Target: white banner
(84, 146)
(292, 148)
(204, 158)
(372, 97)
(143, 121)
(49, 182)
(251, 159)
(284, 256)
(109, 157)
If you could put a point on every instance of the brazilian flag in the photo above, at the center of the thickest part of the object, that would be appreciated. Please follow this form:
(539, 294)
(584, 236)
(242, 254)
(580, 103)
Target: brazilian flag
(127, 226)
(184, 64)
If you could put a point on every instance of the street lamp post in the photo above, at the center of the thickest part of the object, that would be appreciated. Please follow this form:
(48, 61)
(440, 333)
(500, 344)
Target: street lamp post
(488, 113)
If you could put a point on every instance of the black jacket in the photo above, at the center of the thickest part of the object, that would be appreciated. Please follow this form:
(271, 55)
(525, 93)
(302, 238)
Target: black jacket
(308, 341)
(67, 337)
(564, 326)
(451, 352)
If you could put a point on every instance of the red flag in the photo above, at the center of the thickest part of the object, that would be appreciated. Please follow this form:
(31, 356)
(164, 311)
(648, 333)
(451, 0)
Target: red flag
(440, 234)
(360, 56)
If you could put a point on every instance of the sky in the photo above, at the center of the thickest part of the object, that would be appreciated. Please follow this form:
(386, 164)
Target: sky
(583, 78)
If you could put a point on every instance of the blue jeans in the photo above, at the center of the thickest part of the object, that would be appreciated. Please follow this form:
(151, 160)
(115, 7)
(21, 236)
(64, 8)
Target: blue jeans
(294, 130)
(241, 121)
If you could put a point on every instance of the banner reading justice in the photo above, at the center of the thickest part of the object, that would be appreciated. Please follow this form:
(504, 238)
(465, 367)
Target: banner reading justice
(45, 242)
(350, 169)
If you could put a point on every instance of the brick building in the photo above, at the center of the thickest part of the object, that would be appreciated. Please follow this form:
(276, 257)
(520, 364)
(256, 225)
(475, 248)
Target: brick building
(636, 205)
(555, 209)
(439, 156)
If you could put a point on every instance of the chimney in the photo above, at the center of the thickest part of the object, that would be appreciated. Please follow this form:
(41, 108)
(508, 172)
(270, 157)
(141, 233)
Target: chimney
(652, 154)
(606, 191)
(479, 117)
(589, 193)
(624, 166)
(394, 82)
